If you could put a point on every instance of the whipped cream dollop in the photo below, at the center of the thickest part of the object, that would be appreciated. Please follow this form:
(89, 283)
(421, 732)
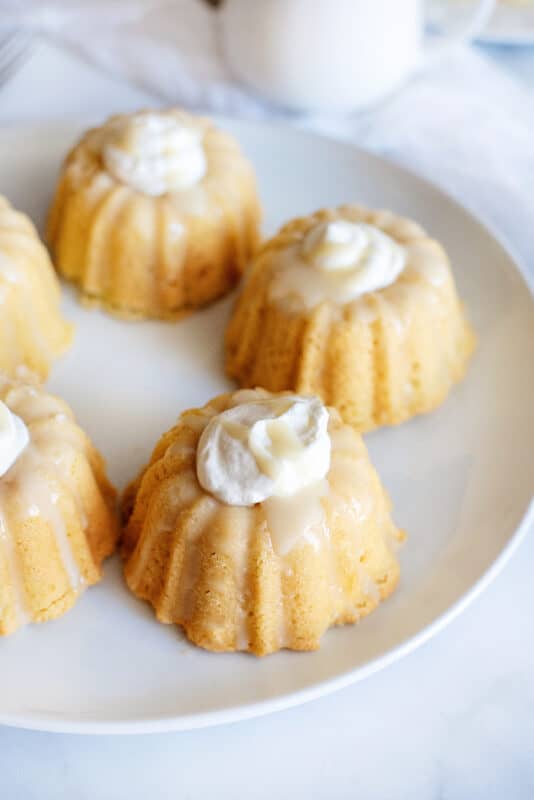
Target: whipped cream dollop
(14, 437)
(339, 261)
(154, 153)
(273, 447)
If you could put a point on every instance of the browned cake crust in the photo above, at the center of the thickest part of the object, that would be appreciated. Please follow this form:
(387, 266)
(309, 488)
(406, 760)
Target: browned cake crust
(212, 568)
(32, 331)
(57, 512)
(380, 359)
(121, 247)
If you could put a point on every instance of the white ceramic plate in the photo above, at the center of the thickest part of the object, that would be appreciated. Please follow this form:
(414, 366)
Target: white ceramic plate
(510, 24)
(461, 479)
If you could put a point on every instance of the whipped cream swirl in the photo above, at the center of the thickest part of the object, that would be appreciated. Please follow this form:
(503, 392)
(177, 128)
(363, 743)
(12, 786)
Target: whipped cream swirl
(14, 437)
(347, 259)
(273, 447)
(154, 153)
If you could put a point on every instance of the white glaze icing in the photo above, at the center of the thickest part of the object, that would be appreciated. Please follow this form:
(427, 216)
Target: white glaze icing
(338, 261)
(154, 153)
(9, 549)
(298, 519)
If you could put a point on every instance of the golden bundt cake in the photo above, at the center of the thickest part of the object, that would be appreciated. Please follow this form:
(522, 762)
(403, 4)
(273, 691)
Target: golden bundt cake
(32, 331)
(258, 524)
(356, 306)
(156, 213)
(57, 509)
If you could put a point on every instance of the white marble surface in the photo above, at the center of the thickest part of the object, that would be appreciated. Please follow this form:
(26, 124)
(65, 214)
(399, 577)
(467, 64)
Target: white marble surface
(454, 720)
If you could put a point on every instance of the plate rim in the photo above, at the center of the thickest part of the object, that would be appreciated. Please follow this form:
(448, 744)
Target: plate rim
(68, 724)
(57, 722)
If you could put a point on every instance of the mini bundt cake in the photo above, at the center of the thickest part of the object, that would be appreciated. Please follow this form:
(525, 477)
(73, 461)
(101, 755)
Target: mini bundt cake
(57, 509)
(32, 330)
(358, 307)
(258, 524)
(155, 214)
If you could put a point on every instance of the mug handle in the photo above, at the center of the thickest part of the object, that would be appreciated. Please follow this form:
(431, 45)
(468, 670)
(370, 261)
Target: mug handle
(465, 33)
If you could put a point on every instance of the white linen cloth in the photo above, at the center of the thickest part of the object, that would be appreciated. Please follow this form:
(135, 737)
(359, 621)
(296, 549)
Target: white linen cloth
(463, 122)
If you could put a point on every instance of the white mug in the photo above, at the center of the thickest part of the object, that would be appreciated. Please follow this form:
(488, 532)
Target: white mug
(330, 55)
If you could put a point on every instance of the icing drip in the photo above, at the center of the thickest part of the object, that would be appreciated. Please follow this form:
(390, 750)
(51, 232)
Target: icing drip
(34, 488)
(297, 519)
(40, 479)
(13, 566)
